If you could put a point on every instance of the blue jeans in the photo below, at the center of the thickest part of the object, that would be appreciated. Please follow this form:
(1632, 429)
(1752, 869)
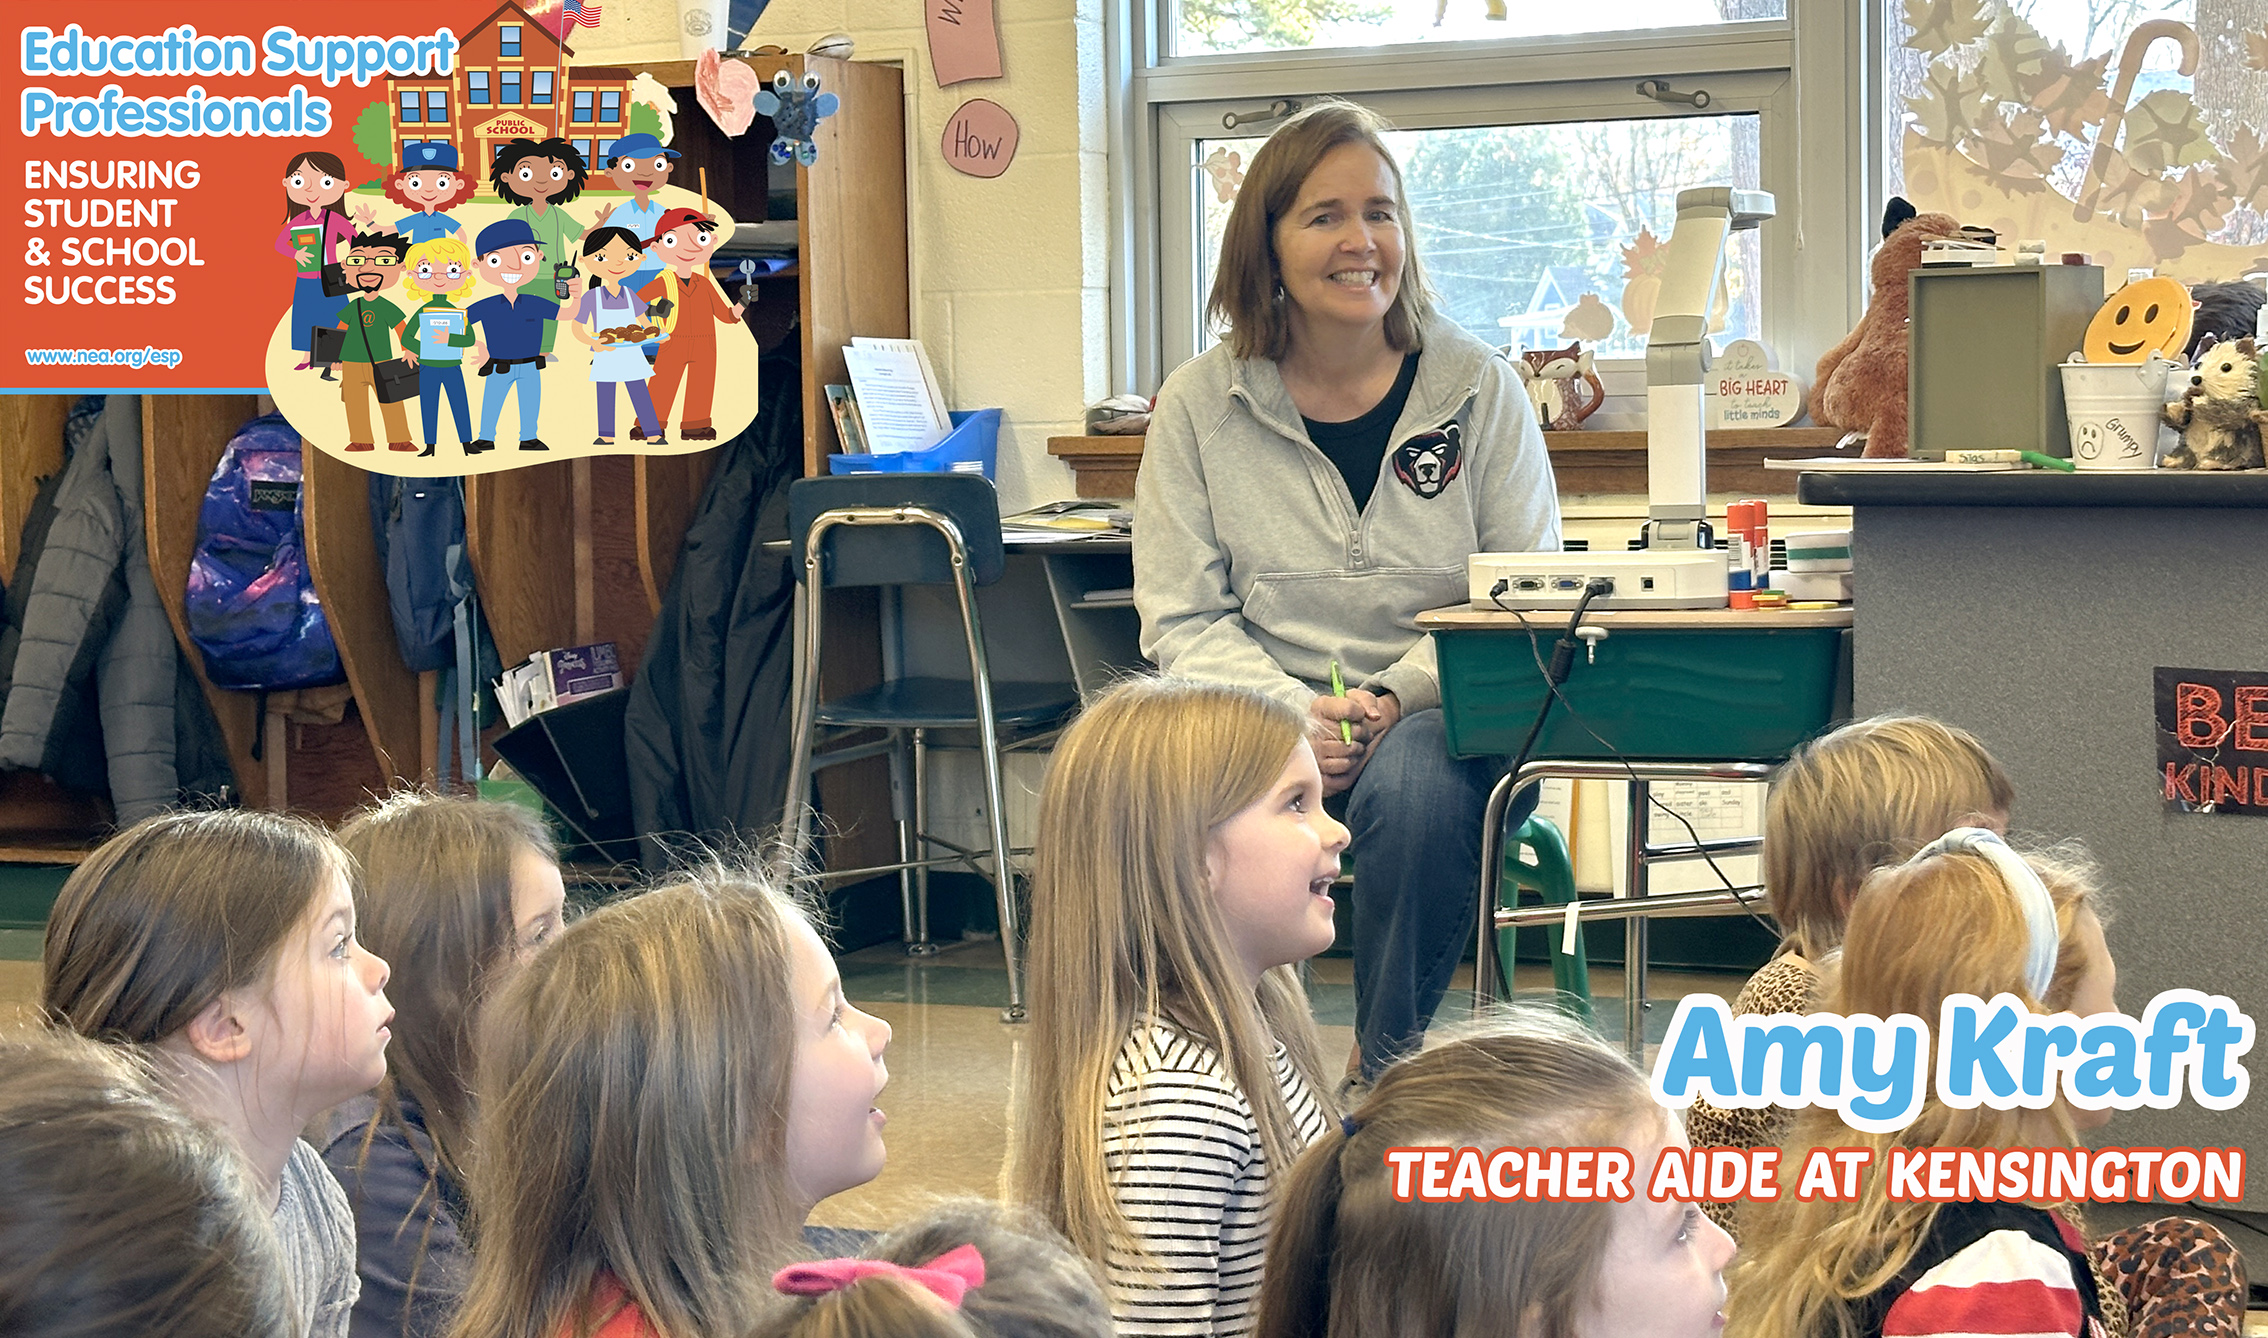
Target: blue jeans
(1416, 817)
(498, 385)
(434, 379)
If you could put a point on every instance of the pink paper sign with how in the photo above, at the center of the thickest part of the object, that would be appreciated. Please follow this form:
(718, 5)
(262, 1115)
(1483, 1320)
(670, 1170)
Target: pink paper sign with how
(964, 40)
(980, 138)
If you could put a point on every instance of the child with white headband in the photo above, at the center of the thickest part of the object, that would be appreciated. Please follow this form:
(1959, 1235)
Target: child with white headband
(1968, 915)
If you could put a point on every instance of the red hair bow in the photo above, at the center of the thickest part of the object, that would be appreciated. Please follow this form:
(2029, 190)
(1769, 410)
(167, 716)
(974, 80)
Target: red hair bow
(948, 1277)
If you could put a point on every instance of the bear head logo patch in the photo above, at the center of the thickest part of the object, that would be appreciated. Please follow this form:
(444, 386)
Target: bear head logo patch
(1426, 463)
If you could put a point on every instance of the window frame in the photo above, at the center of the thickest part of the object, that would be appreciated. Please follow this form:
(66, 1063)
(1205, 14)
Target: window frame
(510, 38)
(1819, 141)
(510, 79)
(543, 90)
(610, 106)
(479, 89)
(582, 108)
(410, 107)
(437, 106)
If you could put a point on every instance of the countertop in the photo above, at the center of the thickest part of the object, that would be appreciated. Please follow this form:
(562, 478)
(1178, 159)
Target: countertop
(2245, 490)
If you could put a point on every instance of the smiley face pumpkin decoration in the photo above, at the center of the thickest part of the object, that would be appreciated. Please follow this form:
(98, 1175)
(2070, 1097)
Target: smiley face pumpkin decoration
(2145, 319)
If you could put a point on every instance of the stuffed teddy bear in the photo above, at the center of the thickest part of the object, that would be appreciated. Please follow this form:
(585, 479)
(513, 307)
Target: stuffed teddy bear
(2220, 415)
(1861, 383)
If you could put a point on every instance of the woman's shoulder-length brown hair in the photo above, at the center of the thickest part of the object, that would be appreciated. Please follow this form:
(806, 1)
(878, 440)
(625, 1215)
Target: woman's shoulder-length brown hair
(1246, 304)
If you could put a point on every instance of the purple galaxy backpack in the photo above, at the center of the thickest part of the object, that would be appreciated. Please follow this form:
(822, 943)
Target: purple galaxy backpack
(252, 606)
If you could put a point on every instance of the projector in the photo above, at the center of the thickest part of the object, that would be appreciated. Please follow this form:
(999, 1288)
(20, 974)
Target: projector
(1643, 579)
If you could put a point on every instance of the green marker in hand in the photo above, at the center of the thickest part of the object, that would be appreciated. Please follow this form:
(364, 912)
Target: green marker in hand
(1339, 689)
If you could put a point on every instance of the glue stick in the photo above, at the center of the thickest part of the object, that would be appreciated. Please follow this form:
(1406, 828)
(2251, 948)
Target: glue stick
(1759, 535)
(1740, 587)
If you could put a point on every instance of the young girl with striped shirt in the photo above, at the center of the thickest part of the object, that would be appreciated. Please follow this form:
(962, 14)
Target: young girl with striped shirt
(1183, 870)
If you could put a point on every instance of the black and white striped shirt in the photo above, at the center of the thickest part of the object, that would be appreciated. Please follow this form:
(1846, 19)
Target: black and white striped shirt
(1188, 1170)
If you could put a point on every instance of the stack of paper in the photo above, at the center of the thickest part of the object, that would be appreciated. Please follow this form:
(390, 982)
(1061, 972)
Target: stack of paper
(899, 402)
(1059, 522)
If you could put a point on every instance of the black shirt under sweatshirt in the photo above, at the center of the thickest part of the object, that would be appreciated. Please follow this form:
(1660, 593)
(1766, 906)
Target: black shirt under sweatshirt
(1357, 446)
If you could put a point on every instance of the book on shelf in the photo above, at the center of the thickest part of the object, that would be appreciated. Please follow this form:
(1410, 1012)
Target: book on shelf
(901, 407)
(842, 402)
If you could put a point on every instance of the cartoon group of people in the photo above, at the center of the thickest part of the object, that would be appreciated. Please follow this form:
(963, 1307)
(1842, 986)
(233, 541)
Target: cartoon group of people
(634, 287)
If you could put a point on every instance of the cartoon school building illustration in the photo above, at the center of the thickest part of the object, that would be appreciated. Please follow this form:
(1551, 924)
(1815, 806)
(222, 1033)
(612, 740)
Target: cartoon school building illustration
(514, 80)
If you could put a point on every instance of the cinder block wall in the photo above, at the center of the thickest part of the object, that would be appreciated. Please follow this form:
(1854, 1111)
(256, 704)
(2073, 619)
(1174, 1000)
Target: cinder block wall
(1010, 278)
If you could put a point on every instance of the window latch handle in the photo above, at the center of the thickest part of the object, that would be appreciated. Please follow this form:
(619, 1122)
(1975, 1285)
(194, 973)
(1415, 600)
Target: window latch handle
(1660, 91)
(1277, 111)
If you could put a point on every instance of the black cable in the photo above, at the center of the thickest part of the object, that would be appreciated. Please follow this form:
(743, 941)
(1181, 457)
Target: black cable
(1562, 658)
(1564, 651)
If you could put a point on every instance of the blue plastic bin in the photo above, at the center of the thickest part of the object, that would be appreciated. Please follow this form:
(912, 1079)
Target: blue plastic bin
(970, 448)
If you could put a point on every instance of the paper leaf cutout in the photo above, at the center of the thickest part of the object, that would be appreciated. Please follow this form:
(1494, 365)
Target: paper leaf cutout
(2196, 208)
(2013, 145)
(2070, 94)
(2256, 50)
(1937, 26)
(2128, 194)
(2244, 171)
(1226, 168)
(2015, 57)
(1644, 256)
(1589, 318)
(1951, 105)
(2162, 132)
(726, 90)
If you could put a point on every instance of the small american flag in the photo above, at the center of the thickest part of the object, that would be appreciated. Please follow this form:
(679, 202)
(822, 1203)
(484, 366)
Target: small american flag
(586, 15)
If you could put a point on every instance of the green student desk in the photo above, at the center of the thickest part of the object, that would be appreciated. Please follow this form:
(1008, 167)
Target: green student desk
(1668, 695)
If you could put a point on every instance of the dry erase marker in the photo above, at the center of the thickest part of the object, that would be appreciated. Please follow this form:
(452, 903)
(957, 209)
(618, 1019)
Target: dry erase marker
(1339, 689)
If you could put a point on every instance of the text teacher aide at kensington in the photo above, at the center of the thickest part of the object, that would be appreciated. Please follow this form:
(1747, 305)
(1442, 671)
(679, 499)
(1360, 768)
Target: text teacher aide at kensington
(1313, 483)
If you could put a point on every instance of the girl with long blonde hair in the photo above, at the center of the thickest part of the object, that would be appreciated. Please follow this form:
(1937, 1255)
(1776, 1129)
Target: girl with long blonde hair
(1968, 916)
(1868, 794)
(1182, 871)
(665, 1092)
(1350, 1260)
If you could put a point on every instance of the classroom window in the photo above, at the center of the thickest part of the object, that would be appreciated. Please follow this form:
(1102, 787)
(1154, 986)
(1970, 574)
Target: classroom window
(606, 153)
(540, 95)
(508, 39)
(2054, 121)
(508, 88)
(610, 106)
(583, 147)
(1526, 230)
(436, 107)
(582, 106)
(476, 87)
(1222, 27)
(1542, 184)
(409, 108)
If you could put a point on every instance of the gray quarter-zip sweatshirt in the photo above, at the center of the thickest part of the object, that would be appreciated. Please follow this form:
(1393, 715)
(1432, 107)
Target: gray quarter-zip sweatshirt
(1251, 564)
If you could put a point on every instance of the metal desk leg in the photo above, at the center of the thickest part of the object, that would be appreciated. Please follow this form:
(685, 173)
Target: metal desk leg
(1486, 967)
(1634, 931)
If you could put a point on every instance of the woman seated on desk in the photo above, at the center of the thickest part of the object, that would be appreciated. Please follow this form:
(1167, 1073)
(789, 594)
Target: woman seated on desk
(1313, 483)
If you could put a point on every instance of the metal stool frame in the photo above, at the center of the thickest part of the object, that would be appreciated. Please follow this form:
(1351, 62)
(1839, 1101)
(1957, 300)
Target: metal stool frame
(1634, 909)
